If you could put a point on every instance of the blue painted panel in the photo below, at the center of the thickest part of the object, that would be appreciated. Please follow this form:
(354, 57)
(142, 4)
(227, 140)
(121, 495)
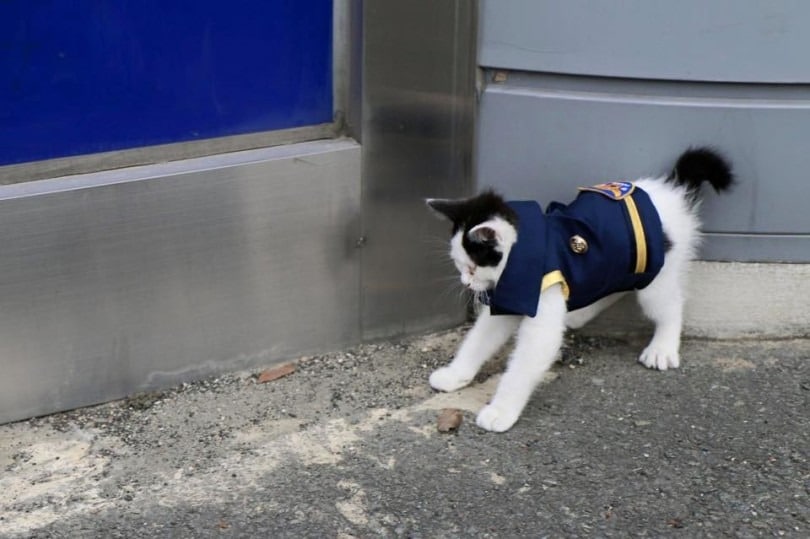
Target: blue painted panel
(88, 76)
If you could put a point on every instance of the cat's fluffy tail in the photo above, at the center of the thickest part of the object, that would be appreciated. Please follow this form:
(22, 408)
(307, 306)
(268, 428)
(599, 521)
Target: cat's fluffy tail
(698, 165)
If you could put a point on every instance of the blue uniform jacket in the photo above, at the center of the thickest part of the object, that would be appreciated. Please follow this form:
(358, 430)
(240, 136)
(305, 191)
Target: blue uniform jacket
(624, 249)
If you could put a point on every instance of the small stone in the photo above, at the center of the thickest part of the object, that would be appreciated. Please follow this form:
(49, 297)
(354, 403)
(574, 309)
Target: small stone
(274, 373)
(449, 419)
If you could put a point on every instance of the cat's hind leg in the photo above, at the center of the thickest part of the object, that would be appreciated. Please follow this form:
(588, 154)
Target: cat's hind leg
(538, 342)
(487, 336)
(580, 317)
(662, 301)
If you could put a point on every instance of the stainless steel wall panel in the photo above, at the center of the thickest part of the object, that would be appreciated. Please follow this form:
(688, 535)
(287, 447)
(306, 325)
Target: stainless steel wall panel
(131, 280)
(418, 110)
(541, 139)
(721, 40)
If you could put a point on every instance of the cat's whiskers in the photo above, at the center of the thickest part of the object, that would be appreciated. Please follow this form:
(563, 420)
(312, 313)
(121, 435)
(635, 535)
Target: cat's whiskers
(435, 245)
(479, 297)
(462, 294)
(452, 289)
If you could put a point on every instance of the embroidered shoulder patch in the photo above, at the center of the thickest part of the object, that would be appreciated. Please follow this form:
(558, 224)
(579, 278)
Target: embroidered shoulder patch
(614, 190)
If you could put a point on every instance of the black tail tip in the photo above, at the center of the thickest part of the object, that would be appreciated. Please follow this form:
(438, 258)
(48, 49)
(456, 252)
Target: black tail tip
(703, 164)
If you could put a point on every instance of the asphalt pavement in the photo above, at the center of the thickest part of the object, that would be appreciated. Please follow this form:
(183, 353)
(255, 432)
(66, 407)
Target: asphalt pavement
(347, 446)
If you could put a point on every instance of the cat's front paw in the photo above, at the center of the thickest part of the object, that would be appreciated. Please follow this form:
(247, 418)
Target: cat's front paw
(447, 379)
(496, 419)
(655, 357)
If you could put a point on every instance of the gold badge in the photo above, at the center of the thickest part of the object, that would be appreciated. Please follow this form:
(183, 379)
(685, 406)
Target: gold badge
(578, 244)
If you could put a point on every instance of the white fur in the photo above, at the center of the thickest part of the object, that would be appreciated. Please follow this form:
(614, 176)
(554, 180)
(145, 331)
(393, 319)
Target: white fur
(478, 278)
(539, 339)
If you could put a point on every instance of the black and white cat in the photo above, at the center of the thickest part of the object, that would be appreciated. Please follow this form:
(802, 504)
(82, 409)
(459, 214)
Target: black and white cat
(502, 251)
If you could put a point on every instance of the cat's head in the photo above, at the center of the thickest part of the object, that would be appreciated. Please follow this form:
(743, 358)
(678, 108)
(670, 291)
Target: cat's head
(484, 231)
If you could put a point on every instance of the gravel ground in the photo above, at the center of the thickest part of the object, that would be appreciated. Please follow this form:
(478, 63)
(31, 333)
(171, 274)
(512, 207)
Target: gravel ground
(347, 446)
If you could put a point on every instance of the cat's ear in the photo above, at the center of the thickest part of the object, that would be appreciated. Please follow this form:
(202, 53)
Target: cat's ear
(484, 233)
(447, 208)
(496, 232)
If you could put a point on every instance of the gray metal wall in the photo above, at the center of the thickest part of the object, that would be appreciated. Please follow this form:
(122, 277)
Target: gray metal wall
(127, 281)
(140, 278)
(418, 107)
(593, 91)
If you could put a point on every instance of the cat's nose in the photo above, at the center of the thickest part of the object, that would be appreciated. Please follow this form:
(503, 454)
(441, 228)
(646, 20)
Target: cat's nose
(465, 279)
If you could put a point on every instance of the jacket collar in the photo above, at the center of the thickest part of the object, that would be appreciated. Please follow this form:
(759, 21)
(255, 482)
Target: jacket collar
(518, 289)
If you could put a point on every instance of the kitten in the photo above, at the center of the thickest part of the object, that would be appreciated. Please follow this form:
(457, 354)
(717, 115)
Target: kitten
(539, 273)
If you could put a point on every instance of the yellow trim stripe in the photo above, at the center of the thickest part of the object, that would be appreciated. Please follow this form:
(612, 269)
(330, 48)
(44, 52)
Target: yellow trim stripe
(638, 232)
(553, 277)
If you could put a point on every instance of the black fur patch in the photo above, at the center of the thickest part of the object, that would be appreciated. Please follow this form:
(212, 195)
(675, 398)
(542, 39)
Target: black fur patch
(698, 165)
(483, 254)
(482, 208)
(468, 213)
(667, 243)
